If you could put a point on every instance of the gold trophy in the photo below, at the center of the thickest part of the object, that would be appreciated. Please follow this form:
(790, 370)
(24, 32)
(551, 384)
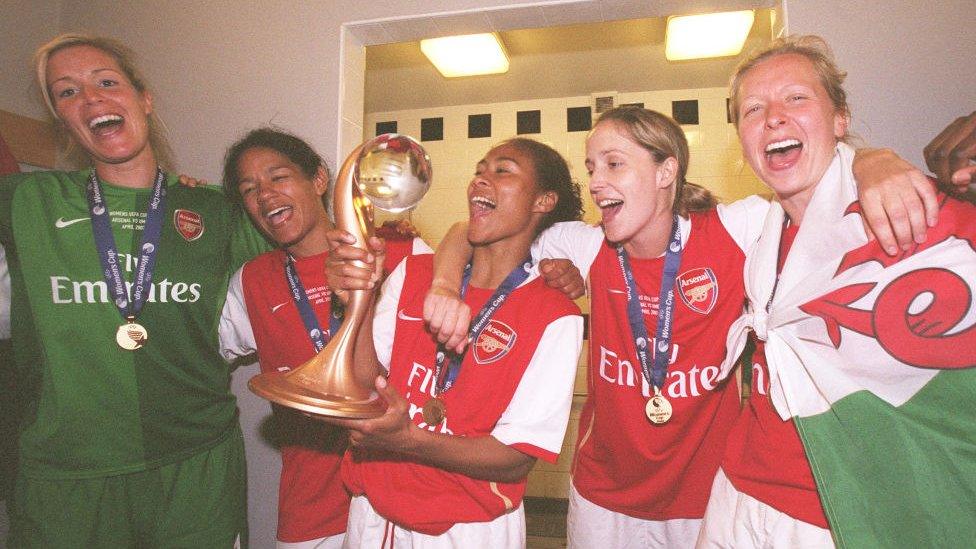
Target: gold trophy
(393, 173)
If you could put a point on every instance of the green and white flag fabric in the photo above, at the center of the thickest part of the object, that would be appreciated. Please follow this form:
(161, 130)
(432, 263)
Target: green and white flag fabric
(875, 359)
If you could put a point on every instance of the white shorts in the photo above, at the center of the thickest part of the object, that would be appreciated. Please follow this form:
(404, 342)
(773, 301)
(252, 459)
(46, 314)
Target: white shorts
(328, 542)
(590, 526)
(734, 519)
(366, 528)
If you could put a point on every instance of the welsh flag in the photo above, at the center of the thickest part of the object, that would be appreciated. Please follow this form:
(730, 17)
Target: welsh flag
(875, 359)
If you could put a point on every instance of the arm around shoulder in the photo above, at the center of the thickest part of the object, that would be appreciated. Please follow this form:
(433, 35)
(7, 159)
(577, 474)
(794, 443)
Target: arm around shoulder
(573, 240)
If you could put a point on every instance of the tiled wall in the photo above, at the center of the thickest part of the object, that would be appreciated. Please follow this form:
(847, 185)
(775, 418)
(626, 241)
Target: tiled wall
(716, 163)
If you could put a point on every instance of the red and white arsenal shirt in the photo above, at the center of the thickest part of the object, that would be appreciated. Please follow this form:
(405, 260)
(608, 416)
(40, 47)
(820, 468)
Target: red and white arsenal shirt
(623, 462)
(515, 385)
(261, 316)
(765, 457)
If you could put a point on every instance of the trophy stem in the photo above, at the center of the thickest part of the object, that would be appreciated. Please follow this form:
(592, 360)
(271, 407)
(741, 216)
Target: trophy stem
(327, 385)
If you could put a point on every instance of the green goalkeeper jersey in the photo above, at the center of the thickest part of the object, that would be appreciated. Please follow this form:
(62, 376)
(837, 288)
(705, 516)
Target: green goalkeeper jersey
(92, 408)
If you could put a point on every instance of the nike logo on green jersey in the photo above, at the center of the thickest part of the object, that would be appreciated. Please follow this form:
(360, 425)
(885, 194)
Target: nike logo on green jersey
(61, 222)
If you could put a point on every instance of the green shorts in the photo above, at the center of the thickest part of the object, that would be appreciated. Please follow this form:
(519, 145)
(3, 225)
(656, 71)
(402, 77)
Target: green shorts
(200, 502)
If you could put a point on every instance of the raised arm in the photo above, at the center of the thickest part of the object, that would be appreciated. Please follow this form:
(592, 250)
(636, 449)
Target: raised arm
(898, 200)
(448, 317)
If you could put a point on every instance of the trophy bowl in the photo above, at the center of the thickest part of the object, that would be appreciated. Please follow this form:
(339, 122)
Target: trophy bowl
(391, 172)
(394, 172)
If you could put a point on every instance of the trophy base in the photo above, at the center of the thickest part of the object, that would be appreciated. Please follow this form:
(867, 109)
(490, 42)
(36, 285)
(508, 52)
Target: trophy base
(281, 390)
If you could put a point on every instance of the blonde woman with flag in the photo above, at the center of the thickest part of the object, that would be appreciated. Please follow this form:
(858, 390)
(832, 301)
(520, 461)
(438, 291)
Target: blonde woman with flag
(859, 431)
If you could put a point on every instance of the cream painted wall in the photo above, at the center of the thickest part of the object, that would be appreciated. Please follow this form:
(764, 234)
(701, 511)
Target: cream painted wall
(278, 62)
(910, 64)
(221, 67)
(24, 25)
(587, 59)
(716, 160)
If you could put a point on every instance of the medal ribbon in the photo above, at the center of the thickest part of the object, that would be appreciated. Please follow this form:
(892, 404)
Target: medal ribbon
(309, 319)
(109, 253)
(446, 376)
(779, 262)
(665, 312)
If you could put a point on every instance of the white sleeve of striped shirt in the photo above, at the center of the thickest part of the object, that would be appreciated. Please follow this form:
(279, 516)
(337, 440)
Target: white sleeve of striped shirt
(539, 410)
(236, 336)
(421, 247)
(384, 317)
(573, 240)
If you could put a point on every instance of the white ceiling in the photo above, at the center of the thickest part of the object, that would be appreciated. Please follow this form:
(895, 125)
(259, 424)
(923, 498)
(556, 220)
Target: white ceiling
(550, 61)
(535, 15)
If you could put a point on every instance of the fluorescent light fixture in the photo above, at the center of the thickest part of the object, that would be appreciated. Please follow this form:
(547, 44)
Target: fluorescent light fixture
(468, 55)
(709, 35)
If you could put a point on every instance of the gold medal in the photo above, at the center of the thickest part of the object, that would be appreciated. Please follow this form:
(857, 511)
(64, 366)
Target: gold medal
(434, 411)
(658, 409)
(131, 336)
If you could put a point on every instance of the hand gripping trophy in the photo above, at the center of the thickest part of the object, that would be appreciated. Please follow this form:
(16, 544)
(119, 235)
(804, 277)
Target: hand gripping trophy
(393, 173)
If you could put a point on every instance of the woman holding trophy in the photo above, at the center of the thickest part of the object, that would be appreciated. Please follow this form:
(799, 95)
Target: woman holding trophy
(446, 464)
(274, 301)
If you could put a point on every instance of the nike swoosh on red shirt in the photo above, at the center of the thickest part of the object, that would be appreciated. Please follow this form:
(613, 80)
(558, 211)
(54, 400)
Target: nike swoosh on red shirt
(404, 316)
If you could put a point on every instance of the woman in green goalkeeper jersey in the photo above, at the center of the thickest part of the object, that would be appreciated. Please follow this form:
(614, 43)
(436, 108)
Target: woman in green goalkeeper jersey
(117, 276)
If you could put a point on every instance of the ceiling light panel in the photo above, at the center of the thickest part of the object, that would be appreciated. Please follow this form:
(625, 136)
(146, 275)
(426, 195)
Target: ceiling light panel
(468, 55)
(708, 35)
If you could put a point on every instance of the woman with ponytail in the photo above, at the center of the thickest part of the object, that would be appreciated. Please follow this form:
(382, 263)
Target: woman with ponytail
(655, 421)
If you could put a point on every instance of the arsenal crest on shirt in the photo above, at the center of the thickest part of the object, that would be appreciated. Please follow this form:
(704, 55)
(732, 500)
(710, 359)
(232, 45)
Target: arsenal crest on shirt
(698, 289)
(494, 342)
(188, 223)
